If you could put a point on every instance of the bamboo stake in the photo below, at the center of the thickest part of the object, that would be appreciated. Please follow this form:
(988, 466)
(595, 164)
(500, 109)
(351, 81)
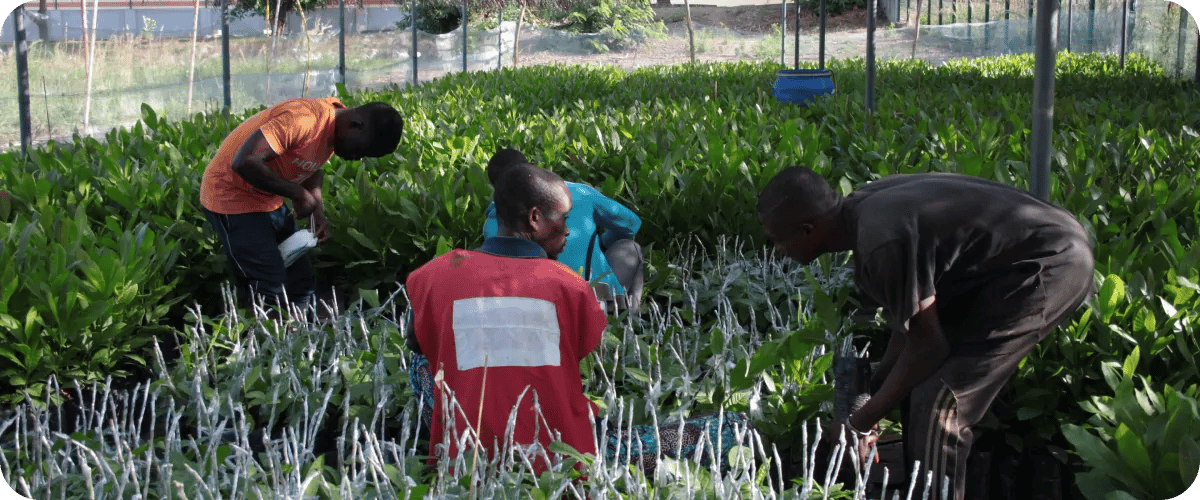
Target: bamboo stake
(192, 66)
(307, 48)
(87, 104)
(46, 100)
(271, 52)
(91, 66)
(517, 35)
(479, 425)
(916, 31)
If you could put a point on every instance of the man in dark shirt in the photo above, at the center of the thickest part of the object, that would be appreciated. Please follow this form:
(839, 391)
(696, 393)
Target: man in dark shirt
(972, 274)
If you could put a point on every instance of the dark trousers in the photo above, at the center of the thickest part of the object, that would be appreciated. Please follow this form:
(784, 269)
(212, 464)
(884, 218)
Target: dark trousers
(251, 244)
(997, 327)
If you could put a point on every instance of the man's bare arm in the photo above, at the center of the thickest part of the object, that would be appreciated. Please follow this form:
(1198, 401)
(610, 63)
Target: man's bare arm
(313, 184)
(894, 348)
(925, 349)
(250, 162)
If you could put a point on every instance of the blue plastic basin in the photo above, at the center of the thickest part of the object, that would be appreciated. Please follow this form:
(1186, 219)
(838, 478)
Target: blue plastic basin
(802, 86)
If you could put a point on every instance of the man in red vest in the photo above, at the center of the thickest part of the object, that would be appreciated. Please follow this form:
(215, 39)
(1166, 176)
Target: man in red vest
(504, 328)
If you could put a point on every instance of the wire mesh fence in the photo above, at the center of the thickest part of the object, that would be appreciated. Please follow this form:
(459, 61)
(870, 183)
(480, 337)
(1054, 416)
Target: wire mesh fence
(171, 58)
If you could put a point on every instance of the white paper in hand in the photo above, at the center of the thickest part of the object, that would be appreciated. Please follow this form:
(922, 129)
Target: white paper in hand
(298, 244)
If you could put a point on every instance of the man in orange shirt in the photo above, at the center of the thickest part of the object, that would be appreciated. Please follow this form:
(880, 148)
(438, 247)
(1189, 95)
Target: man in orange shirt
(279, 153)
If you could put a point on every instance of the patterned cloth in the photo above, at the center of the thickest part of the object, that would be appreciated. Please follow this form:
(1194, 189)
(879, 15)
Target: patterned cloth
(637, 444)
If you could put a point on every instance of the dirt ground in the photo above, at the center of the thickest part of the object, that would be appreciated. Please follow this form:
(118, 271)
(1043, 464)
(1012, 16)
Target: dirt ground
(735, 33)
(756, 19)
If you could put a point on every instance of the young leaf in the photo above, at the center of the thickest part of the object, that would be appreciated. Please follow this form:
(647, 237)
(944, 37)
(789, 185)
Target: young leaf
(1112, 293)
(565, 449)
(1135, 456)
(1131, 362)
(1189, 460)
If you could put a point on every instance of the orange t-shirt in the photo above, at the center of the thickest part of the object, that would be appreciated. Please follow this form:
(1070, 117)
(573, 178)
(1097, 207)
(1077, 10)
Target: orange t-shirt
(300, 131)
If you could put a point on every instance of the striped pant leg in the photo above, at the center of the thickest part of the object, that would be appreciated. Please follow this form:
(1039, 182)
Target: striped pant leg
(941, 413)
(937, 437)
(997, 327)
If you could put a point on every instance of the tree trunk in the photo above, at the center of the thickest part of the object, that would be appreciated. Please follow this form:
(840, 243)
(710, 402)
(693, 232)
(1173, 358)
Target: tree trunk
(916, 31)
(687, 6)
(282, 9)
(42, 21)
(517, 35)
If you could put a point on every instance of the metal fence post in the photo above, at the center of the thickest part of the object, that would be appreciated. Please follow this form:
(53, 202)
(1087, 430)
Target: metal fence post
(1091, 25)
(1070, 24)
(1007, 11)
(1133, 8)
(1182, 45)
(783, 34)
(500, 37)
(22, 50)
(987, 18)
(412, 14)
(872, 5)
(1043, 98)
(464, 35)
(225, 55)
(1124, 23)
(1031, 28)
(969, 19)
(824, 12)
(797, 45)
(342, 42)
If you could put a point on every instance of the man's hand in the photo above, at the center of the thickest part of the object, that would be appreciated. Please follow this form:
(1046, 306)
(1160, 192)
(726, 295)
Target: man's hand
(836, 429)
(320, 225)
(305, 204)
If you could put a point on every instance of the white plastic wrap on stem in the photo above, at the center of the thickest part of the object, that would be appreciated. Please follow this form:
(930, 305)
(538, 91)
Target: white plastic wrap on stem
(306, 366)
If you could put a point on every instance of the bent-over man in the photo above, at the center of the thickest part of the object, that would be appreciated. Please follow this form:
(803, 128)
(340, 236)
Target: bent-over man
(280, 153)
(971, 274)
(600, 248)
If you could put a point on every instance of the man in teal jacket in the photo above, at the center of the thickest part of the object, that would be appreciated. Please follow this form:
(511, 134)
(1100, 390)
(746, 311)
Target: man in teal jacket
(611, 260)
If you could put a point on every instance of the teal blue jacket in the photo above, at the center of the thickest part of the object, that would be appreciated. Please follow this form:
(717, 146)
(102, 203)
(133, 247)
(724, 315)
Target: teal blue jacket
(590, 211)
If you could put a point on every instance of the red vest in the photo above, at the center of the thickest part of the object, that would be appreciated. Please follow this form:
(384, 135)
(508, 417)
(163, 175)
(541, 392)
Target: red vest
(521, 324)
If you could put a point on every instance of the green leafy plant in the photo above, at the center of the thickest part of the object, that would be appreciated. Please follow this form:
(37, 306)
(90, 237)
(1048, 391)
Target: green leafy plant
(622, 22)
(80, 300)
(1141, 441)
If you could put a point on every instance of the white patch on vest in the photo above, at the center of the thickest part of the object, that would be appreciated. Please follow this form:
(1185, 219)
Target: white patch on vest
(505, 331)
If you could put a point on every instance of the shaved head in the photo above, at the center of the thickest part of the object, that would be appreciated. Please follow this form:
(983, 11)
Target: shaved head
(522, 188)
(796, 195)
(534, 203)
(501, 162)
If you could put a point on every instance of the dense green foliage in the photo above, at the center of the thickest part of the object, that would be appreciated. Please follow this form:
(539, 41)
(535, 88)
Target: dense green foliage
(688, 147)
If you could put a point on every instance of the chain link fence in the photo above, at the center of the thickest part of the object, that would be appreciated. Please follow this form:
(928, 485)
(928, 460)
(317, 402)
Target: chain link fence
(145, 54)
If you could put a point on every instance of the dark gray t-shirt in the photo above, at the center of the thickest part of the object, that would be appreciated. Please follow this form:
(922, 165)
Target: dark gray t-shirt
(926, 235)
